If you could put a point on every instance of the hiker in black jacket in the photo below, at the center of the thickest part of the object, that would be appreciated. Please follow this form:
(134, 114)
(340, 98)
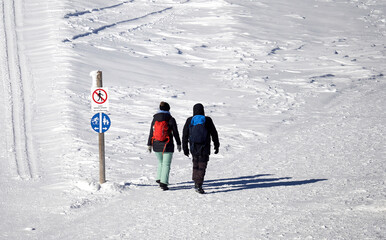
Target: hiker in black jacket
(200, 151)
(163, 148)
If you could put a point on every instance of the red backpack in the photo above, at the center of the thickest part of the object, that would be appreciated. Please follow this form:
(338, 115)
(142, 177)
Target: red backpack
(161, 132)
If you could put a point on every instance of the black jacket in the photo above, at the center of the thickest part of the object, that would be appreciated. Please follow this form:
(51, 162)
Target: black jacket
(158, 146)
(198, 109)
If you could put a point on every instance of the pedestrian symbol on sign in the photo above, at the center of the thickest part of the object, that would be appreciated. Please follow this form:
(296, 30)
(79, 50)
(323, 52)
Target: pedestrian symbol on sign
(99, 96)
(100, 122)
(100, 100)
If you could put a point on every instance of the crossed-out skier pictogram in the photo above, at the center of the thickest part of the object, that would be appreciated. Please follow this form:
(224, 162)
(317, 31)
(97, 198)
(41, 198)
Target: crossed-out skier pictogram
(99, 96)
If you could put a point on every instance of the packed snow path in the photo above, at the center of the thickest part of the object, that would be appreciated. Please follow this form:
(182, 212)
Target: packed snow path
(296, 90)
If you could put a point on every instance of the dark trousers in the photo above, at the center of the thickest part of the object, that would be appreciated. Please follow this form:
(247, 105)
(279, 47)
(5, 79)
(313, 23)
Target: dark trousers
(199, 168)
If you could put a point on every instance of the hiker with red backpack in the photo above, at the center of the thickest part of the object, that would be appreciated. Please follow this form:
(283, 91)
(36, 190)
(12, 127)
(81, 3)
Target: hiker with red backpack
(162, 129)
(198, 131)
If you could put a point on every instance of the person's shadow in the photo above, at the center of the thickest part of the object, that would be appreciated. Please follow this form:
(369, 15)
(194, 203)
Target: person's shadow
(245, 182)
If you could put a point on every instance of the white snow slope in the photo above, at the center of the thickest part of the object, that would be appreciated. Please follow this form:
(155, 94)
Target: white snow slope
(296, 89)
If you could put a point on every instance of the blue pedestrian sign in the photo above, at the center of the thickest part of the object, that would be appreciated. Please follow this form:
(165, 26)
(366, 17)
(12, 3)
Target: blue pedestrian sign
(100, 122)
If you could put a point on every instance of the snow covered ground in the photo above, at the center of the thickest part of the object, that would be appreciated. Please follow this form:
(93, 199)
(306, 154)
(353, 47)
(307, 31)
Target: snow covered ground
(296, 90)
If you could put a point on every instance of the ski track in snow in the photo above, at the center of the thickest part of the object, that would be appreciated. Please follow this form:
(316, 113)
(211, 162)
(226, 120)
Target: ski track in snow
(79, 13)
(104, 27)
(18, 146)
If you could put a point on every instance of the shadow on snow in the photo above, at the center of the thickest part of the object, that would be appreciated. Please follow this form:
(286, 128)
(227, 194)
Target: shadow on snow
(245, 182)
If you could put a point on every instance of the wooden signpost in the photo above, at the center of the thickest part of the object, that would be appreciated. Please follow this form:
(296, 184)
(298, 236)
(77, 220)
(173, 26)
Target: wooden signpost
(100, 122)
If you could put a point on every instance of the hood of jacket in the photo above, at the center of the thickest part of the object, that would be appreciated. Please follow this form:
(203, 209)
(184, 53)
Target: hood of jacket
(198, 109)
(162, 116)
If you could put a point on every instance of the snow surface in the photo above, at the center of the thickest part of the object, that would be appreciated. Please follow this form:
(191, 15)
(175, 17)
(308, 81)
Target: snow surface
(296, 90)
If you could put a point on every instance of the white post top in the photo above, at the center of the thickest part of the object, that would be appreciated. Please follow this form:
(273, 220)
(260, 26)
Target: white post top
(94, 75)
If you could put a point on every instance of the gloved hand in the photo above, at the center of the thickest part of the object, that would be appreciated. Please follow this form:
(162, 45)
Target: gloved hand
(216, 150)
(149, 148)
(179, 148)
(186, 152)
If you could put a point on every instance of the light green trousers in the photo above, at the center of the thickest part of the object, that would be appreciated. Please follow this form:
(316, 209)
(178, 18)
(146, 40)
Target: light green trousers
(163, 169)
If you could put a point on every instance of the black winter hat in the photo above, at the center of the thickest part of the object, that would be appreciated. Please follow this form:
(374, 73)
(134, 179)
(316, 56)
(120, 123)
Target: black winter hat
(164, 106)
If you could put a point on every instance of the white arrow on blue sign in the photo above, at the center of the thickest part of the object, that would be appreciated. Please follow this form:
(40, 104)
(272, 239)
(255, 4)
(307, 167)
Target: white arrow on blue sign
(100, 122)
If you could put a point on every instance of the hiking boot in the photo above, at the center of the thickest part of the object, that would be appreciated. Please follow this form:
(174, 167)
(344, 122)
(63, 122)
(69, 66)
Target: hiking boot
(200, 190)
(163, 186)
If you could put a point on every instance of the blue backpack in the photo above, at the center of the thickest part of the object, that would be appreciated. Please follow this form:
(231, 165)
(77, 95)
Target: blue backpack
(197, 130)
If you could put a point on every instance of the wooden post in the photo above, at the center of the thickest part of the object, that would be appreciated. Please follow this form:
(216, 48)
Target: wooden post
(102, 171)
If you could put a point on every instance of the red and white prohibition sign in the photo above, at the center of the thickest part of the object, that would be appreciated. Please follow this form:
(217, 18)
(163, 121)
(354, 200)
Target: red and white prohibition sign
(99, 96)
